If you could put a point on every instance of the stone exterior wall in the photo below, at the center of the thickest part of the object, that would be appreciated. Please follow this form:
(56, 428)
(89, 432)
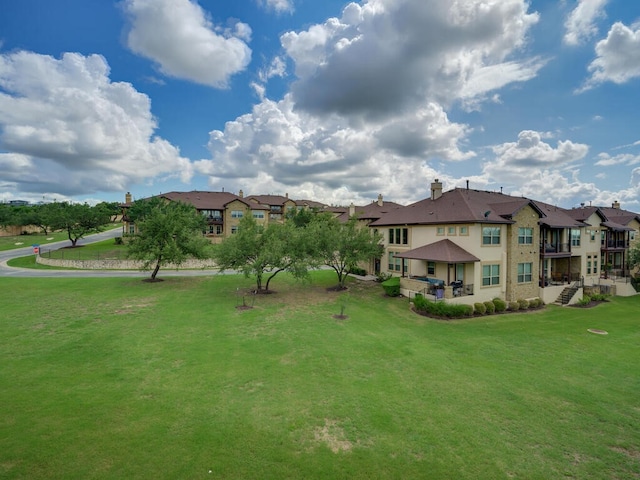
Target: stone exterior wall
(519, 253)
(118, 264)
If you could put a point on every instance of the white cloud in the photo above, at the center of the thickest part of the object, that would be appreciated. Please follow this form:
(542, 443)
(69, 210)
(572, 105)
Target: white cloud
(606, 160)
(278, 6)
(618, 56)
(384, 56)
(293, 148)
(76, 130)
(580, 24)
(179, 36)
(531, 152)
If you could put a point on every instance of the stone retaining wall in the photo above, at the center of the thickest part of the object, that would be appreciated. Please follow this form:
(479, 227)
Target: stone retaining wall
(118, 264)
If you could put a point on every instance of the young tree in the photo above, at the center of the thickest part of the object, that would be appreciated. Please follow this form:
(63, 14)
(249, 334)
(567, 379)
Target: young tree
(76, 219)
(169, 233)
(342, 246)
(259, 251)
(634, 257)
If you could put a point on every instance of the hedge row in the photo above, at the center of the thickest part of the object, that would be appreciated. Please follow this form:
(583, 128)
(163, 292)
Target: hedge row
(451, 310)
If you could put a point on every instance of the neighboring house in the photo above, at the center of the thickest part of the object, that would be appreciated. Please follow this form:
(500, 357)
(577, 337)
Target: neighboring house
(613, 231)
(472, 245)
(276, 206)
(222, 210)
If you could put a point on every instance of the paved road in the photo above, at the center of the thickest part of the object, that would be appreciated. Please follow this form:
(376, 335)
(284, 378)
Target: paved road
(6, 271)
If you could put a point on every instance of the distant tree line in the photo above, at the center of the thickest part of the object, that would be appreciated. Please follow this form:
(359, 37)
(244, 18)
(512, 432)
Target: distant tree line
(76, 219)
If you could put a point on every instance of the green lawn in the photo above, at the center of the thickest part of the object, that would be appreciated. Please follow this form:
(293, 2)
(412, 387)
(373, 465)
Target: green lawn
(106, 249)
(21, 241)
(122, 379)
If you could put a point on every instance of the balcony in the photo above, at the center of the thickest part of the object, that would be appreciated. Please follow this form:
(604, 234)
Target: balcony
(615, 244)
(550, 248)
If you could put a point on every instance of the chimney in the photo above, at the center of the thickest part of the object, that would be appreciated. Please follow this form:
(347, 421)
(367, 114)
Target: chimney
(241, 194)
(380, 202)
(127, 197)
(286, 195)
(352, 210)
(436, 190)
(616, 205)
(467, 184)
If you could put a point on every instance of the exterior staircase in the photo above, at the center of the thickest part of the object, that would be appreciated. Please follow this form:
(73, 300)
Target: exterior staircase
(567, 294)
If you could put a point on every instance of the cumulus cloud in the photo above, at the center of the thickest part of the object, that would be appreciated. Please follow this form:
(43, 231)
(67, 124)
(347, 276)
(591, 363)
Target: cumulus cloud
(606, 160)
(580, 24)
(531, 152)
(278, 6)
(618, 56)
(179, 36)
(382, 56)
(66, 128)
(294, 147)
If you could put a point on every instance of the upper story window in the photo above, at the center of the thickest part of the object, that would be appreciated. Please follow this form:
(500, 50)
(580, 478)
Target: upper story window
(575, 237)
(276, 208)
(525, 236)
(632, 235)
(451, 230)
(491, 235)
(257, 213)
(399, 236)
(237, 213)
(464, 230)
(440, 231)
(211, 213)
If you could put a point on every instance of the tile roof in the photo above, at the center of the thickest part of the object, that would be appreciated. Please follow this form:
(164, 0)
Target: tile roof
(204, 200)
(457, 206)
(441, 251)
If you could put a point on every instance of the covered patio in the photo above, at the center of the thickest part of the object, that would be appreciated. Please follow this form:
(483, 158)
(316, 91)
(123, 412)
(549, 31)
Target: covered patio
(450, 264)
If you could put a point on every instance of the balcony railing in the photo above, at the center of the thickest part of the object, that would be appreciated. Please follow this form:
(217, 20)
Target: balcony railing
(615, 244)
(555, 248)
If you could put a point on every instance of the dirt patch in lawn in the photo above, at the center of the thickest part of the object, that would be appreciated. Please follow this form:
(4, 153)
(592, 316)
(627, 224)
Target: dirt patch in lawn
(332, 435)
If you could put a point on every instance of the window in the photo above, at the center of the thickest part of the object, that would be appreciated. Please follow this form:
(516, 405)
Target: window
(595, 264)
(575, 237)
(525, 236)
(211, 213)
(431, 268)
(524, 272)
(275, 216)
(237, 213)
(632, 235)
(257, 213)
(276, 208)
(592, 235)
(132, 229)
(234, 230)
(491, 235)
(464, 230)
(395, 263)
(490, 275)
(451, 231)
(399, 236)
(440, 231)
(588, 264)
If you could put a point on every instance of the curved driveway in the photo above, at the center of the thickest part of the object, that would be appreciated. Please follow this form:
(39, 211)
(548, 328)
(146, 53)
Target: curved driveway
(6, 271)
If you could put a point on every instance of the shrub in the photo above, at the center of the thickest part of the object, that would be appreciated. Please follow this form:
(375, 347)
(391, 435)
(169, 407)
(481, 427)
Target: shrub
(419, 302)
(480, 308)
(534, 303)
(392, 286)
(491, 308)
(383, 277)
(584, 301)
(441, 309)
(524, 304)
(514, 306)
(499, 304)
(599, 297)
(118, 241)
(358, 271)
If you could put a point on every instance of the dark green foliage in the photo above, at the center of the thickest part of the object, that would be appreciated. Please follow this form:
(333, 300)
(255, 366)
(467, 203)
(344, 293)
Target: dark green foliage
(169, 233)
(118, 241)
(480, 308)
(500, 305)
(536, 303)
(441, 309)
(514, 306)
(76, 219)
(600, 297)
(392, 286)
(358, 271)
(524, 304)
(383, 276)
(491, 308)
(585, 300)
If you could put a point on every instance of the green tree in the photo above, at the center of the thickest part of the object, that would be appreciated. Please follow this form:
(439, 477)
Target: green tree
(7, 215)
(77, 219)
(265, 252)
(168, 233)
(634, 257)
(342, 246)
(112, 209)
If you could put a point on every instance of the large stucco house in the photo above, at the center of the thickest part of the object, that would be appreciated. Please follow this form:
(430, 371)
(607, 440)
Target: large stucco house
(471, 245)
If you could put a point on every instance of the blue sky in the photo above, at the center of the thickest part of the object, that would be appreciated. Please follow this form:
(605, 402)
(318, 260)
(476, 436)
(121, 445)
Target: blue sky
(330, 101)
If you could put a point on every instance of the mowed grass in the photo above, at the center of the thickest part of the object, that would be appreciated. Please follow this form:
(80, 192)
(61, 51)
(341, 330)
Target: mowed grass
(118, 378)
(21, 241)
